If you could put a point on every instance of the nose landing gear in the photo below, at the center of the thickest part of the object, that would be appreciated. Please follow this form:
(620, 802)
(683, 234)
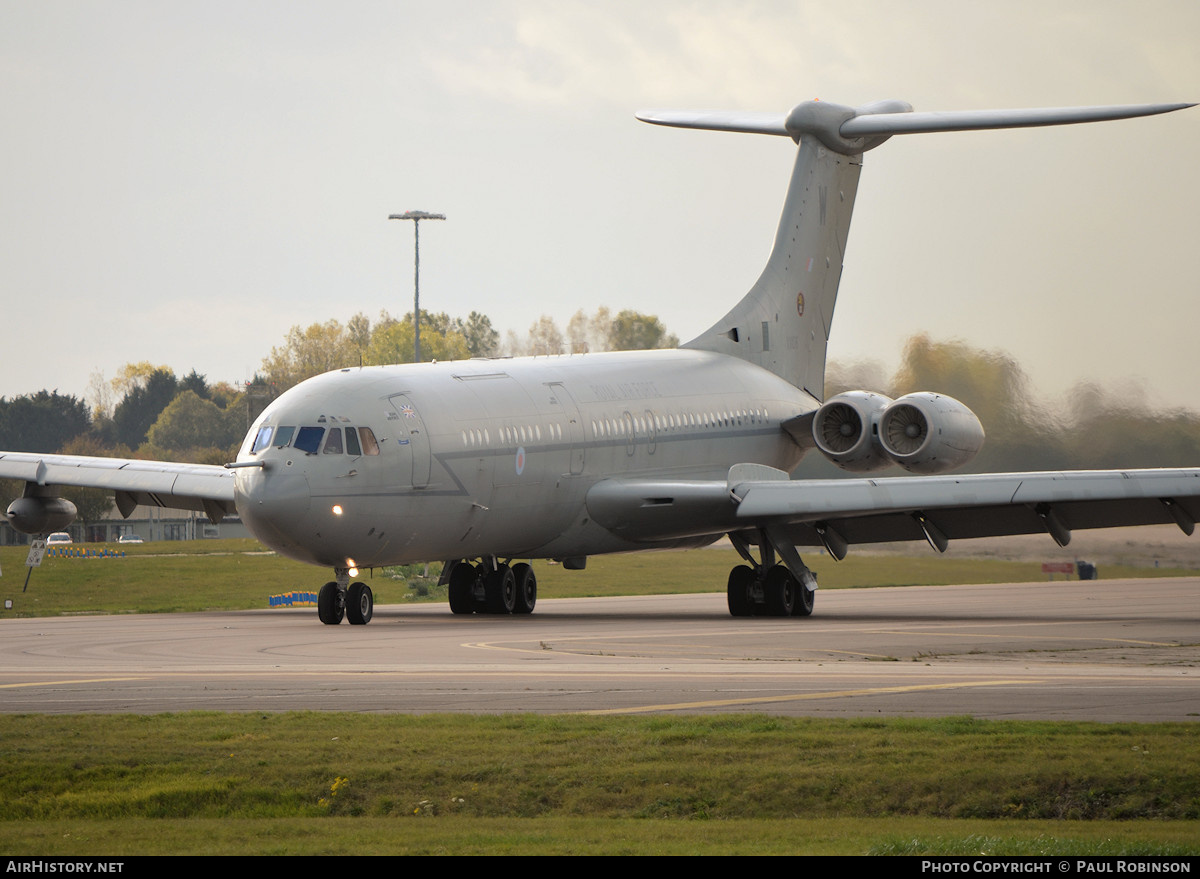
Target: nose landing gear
(338, 599)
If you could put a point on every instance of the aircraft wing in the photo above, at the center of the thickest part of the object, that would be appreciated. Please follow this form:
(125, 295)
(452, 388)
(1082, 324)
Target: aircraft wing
(204, 487)
(839, 513)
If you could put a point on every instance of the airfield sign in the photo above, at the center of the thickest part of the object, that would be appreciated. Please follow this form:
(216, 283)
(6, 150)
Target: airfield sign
(37, 552)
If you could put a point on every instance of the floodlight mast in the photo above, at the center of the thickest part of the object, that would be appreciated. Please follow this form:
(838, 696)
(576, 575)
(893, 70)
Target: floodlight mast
(416, 217)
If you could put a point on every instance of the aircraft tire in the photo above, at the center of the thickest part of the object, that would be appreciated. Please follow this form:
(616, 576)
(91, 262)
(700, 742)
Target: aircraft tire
(500, 590)
(805, 599)
(741, 581)
(329, 605)
(779, 589)
(360, 604)
(526, 592)
(462, 588)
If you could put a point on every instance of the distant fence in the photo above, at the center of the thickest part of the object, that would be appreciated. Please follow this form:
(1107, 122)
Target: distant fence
(1086, 570)
(294, 599)
(61, 551)
(1058, 567)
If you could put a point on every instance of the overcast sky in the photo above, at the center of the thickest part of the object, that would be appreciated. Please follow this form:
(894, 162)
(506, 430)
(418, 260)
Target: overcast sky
(183, 182)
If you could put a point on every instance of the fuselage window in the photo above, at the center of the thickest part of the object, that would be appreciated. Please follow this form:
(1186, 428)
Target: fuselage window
(308, 439)
(262, 440)
(333, 442)
(352, 447)
(369, 444)
(283, 436)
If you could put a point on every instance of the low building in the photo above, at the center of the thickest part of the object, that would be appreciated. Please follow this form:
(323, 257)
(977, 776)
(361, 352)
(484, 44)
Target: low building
(148, 523)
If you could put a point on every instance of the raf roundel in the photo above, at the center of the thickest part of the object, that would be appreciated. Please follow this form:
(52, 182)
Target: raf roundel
(520, 460)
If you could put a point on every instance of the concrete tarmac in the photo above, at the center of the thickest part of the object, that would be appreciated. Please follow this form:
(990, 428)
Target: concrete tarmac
(1109, 650)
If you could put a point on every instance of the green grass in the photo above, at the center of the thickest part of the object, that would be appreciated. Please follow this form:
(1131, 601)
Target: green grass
(331, 783)
(173, 576)
(433, 784)
(586, 836)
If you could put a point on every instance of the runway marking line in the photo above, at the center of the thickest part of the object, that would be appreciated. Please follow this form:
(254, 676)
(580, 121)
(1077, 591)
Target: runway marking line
(547, 646)
(76, 681)
(801, 697)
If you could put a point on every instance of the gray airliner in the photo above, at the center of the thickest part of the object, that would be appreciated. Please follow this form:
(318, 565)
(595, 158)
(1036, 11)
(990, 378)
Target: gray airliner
(487, 464)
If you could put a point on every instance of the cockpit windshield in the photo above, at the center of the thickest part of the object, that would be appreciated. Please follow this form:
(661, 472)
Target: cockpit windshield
(308, 439)
(357, 440)
(262, 440)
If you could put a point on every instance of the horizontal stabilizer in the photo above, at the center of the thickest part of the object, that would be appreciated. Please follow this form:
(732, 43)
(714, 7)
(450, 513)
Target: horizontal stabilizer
(974, 120)
(852, 130)
(717, 120)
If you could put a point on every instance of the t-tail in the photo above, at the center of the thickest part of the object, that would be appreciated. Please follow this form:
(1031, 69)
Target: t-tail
(783, 323)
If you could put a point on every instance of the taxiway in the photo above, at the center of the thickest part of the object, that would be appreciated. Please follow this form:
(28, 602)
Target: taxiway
(1110, 650)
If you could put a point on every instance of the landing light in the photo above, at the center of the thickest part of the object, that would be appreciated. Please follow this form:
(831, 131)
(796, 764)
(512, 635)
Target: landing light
(337, 509)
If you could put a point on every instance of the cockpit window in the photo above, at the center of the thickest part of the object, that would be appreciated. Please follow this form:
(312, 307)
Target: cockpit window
(333, 442)
(369, 445)
(308, 439)
(283, 436)
(352, 447)
(262, 440)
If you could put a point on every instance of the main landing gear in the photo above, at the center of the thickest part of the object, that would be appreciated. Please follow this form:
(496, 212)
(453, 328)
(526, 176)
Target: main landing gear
(340, 598)
(764, 588)
(491, 587)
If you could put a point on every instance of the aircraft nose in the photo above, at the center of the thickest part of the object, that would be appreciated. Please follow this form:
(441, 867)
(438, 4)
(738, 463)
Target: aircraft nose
(274, 504)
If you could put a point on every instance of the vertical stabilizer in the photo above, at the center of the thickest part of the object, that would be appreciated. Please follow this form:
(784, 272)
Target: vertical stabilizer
(783, 323)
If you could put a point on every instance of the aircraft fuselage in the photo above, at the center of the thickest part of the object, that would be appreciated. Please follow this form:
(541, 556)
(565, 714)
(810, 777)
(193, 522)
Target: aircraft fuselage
(495, 457)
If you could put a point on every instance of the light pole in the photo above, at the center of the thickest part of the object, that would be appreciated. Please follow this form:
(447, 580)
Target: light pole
(416, 217)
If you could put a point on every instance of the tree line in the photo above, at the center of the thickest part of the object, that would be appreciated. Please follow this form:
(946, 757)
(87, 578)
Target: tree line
(321, 347)
(1095, 428)
(148, 412)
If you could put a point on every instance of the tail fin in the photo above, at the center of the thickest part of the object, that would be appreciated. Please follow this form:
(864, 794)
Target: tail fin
(783, 323)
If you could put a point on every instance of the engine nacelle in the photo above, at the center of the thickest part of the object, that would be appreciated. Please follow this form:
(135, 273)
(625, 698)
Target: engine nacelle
(41, 515)
(930, 433)
(846, 430)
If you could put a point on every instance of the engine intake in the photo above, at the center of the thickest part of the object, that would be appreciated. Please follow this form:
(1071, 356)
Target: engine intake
(924, 433)
(930, 433)
(845, 429)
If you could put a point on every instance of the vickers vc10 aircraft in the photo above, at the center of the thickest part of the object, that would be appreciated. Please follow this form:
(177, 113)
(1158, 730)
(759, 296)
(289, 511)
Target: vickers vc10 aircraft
(483, 463)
